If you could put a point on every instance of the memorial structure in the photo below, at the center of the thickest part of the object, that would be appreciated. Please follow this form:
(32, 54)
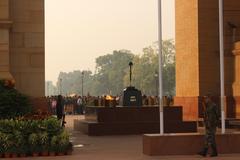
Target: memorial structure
(131, 117)
(22, 44)
(100, 121)
(197, 55)
(131, 96)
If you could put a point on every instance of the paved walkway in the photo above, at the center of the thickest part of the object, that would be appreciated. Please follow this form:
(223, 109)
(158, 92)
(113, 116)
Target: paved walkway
(115, 148)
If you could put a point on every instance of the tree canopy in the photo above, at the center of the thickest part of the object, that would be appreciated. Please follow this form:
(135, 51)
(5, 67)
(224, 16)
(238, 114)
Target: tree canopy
(112, 73)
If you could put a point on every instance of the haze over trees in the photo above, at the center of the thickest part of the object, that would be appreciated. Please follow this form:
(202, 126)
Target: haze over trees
(111, 74)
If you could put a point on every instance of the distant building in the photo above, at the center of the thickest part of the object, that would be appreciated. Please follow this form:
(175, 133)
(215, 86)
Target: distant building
(197, 55)
(22, 44)
(50, 89)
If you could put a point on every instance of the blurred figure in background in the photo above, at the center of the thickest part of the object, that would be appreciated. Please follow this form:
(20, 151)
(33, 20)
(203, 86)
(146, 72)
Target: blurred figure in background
(80, 107)
(60, 109)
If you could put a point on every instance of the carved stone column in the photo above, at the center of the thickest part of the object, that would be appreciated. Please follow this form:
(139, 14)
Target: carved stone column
(236, 84)
(5, 24)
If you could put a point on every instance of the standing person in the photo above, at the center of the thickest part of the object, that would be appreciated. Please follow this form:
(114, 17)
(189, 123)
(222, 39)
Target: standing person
(53, 105)
(75, 105)
(80, 105)
(78, 108)
(60, 110)
(60, 107)
(211, 119)
(48, 98)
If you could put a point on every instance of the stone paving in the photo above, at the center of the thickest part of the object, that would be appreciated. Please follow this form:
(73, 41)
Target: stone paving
(115, 148)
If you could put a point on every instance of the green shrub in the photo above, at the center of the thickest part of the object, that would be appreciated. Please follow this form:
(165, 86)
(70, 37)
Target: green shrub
(12, 102)
(3, 142)
(33, 142)
(23, 127)
(28, 136)
(8, 143)
(63, 140)
(44, 141)
(60, 143)
(54, 144)
(43, 138)
(52, 126)
(7, 126)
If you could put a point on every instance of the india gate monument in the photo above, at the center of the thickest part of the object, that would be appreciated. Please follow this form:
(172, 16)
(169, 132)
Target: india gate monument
(22, 44)
(197, 51)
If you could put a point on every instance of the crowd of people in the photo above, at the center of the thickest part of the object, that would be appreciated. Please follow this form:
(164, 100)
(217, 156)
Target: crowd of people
(71, 105)
(76, 104)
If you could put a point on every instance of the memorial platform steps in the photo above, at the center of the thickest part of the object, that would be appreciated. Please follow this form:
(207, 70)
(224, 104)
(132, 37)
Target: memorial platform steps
(123, 128)
(101, 121)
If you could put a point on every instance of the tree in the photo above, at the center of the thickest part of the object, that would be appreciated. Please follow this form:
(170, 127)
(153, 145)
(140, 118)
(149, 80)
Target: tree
(112, 73)
(146, 66)
(71, 83)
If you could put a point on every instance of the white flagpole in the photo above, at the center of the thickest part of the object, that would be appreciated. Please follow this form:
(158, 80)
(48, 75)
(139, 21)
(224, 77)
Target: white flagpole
(221, 41)
(160, 66)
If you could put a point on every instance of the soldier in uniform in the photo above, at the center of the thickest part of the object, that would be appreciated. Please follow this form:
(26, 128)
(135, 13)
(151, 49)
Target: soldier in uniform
(211, 120)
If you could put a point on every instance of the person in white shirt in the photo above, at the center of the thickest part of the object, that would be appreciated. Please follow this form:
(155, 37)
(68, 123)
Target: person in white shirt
(80, 105)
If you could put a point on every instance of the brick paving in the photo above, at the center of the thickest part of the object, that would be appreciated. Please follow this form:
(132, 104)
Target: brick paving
(115, 148)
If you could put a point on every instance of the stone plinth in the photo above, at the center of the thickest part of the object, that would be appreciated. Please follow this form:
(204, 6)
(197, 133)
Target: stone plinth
(187, 144)
(132, 120)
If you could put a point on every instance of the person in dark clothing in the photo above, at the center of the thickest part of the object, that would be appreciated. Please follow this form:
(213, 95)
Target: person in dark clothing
(59, 107)
(60, 110)
(211, 120)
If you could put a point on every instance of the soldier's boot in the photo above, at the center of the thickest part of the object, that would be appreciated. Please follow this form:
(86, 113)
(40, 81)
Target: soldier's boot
(203, 152)
(214, 151)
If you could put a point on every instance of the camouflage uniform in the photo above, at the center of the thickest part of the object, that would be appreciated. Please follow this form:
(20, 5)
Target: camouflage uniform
(211, 119)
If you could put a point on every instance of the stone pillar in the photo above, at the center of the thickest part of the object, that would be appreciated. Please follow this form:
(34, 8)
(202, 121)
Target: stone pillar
(187, 57)
(5, 24)
(27, 48)
(236, 84)
(22, 48)
(197, 54)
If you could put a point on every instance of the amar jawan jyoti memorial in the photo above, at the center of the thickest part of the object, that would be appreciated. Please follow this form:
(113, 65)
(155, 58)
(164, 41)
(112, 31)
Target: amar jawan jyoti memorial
(197, 51)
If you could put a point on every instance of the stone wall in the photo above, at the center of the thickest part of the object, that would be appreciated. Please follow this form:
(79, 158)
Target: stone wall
(197, 46)
(23, 44)
(187, 64)
(4, 39)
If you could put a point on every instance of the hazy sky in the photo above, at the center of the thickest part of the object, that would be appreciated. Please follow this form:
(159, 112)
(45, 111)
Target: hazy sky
(78, 31)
